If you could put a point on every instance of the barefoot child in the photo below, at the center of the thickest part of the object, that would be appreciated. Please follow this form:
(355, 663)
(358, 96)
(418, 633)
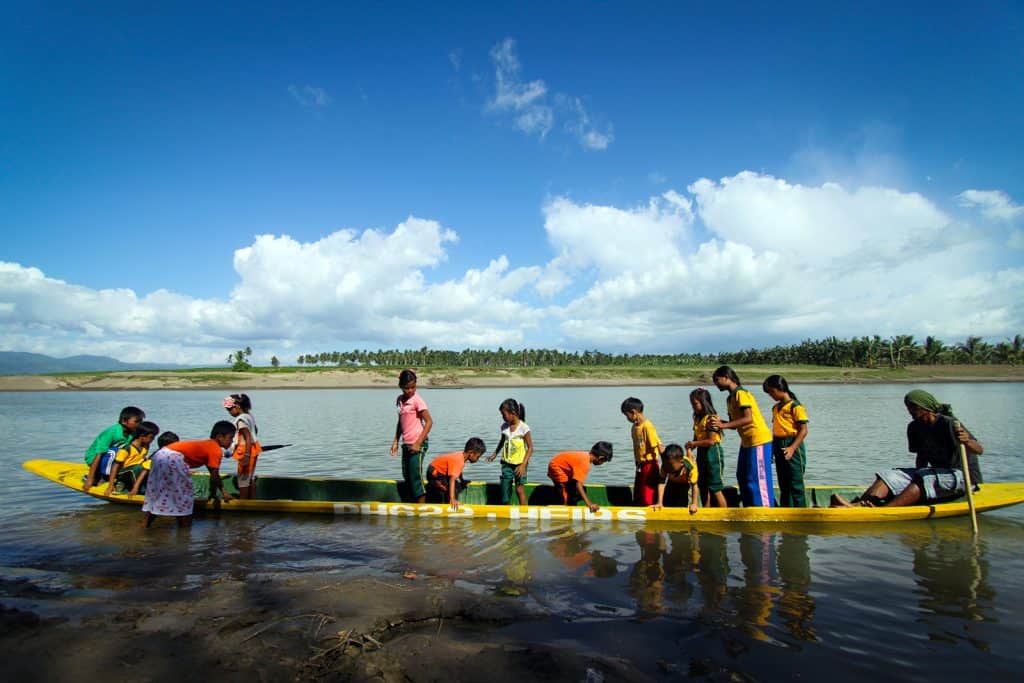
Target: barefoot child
(646, 449)
(247, 447)
(98, 455)
(708, 442)
(444, 475)
(130, 459)
(170, 490)
(754, 464)
(414, 424)
(569, 470)
(679, 476)
(789, 429)
(516, 448)
(164, 440)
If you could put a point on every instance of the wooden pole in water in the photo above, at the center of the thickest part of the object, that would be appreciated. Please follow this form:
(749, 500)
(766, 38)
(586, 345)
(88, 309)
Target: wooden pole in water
(968, 484)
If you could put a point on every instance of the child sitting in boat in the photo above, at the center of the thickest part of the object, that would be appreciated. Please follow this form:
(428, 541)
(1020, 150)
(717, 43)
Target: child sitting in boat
(164, 440)
(516, 448)
(678, 477)
(131, 458)
(98, 455)
(444, 475)
(569, 470)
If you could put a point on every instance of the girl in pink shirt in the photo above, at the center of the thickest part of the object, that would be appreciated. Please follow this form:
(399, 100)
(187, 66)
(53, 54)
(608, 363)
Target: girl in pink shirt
(414, 423)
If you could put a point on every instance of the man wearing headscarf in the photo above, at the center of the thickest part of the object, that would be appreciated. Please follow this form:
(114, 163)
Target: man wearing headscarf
(934, 436)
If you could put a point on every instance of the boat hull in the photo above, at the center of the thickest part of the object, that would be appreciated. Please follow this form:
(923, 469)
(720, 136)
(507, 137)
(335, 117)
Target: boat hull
(384, 498)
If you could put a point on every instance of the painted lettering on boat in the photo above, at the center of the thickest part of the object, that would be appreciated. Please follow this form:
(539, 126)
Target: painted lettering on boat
(514, 513)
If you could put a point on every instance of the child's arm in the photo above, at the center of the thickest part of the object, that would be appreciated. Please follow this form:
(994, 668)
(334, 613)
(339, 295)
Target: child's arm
(138, 483)
(743, 421)
(694, 496)
(501, 442)
(428, 422)
(700, 443)
(453, 492)
(113, 477)
(593, 507)
(660, 497)
(243, 433)
(398, 435)
(217, 484)
(801, 434)
(521, 468)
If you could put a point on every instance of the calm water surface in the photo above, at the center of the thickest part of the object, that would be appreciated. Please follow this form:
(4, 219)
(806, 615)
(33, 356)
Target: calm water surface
(920, 601)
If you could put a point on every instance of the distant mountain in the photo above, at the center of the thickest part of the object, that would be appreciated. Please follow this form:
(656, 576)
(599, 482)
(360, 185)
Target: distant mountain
(20, 363)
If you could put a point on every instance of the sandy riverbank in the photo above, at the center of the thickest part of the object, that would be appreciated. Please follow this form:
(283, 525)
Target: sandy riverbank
(299, 628)
(456, 378)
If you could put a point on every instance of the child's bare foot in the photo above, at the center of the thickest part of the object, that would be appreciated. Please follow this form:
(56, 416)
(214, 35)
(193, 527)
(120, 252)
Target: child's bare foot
(837, 501)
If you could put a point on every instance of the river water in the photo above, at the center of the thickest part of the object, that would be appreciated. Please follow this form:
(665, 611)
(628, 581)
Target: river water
(917, 601)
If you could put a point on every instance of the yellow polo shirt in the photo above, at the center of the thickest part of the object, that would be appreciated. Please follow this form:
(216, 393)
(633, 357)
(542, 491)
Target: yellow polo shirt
(755, 433)
(786, 418)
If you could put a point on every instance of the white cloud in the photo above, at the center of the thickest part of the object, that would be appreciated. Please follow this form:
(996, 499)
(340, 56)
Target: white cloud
(1016, 240)
(528, 103)
(993, 204)
(310, 96)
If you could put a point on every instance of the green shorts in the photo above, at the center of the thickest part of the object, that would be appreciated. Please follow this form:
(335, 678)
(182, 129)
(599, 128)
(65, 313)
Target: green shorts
(710, 468)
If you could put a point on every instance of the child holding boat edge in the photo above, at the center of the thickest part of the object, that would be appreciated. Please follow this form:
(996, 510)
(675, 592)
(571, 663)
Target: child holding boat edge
(444, 475)
(516, 448)
(569, 470)
(132, 459)
(98, 456)
(678, 478)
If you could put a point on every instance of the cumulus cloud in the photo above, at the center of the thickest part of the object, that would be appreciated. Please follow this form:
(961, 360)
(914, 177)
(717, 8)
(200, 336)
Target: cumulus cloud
(749, 259)
(310, 96)
(532, 111)
(993, 204)
(369, 286)
(762, 258)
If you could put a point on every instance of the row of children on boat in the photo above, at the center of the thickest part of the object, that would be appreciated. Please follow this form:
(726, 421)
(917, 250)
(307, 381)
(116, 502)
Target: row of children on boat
(698, 464)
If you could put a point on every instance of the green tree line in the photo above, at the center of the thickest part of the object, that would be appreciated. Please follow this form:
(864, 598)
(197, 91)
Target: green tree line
(863, 352)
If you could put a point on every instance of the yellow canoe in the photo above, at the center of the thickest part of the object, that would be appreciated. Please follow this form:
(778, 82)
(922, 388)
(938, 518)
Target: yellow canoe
(381, 497)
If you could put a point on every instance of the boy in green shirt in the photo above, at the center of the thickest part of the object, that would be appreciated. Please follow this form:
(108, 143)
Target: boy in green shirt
(96, 456)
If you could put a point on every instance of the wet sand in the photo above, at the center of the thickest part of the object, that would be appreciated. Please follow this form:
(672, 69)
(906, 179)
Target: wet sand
(291, 628)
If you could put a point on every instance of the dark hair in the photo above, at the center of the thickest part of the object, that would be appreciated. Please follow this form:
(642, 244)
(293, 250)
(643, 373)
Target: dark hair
(602, 449)
(220, 428)
(632, 403)
(406, 377)
(166, 439)
(728, 373)
(147, 429)
(778, 382)
(703, 397)
(131, 411)
(474, 445)
(243, 401)
(513, 406)
(673, 451)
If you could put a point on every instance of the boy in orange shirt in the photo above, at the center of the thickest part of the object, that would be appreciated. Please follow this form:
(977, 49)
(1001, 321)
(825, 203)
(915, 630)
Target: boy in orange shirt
(444, 476)
(569, 470)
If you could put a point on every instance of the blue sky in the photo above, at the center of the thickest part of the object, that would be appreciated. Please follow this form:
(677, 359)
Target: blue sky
(637, 177)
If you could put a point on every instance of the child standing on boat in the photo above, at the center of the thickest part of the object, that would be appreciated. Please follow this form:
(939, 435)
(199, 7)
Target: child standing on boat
(515, 447)
(247, 447)
(707, 439)
(646, 449)
(569, 470)
(414, 424)
(678, 477)
(754, 465)
(789, 430)
(444, 475)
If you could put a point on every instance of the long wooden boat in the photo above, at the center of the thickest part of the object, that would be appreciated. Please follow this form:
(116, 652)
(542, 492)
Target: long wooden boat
(481, 500)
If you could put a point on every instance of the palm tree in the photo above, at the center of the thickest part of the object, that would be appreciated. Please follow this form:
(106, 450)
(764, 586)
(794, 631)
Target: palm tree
(933, 349)
(975, 349)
